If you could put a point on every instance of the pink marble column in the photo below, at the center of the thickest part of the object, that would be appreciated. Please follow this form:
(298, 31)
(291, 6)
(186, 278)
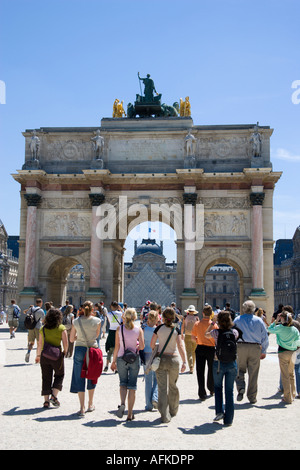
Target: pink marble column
(189, 242)
(95, 252)
(95, 260)
(257, 244)
(30, 245)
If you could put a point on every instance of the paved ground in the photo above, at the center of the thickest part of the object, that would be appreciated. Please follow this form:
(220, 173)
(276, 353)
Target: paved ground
(26, 425)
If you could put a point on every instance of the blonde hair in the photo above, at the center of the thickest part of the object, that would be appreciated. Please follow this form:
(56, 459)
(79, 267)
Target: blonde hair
(88, 308)
(129, 318)
(153, 316)
(260, 312)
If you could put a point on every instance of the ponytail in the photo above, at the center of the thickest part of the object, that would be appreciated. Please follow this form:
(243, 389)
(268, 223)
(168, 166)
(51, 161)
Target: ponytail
(88, 308)
(129, 318)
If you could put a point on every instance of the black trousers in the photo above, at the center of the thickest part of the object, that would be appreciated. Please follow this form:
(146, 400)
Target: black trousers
(205, 355)
(53, 373)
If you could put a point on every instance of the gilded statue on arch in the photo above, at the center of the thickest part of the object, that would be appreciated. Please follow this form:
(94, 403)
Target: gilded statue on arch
(118, 109)
(185, 107)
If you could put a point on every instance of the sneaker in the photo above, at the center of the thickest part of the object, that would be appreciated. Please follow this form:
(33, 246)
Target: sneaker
(240, 395)
(27, 356)
(218, 417)
(120, 411)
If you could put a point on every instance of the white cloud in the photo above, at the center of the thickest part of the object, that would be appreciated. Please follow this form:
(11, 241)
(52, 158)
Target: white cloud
(283, 154)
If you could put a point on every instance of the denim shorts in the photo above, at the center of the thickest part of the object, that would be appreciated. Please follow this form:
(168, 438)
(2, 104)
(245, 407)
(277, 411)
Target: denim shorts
(128, 373)
(77, 383)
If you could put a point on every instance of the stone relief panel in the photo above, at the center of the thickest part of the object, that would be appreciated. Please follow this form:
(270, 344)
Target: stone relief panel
(222, 148)
(230, 224)
(55, 148)
(66, 224)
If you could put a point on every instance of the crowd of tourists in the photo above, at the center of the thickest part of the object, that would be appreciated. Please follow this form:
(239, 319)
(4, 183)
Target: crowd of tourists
(224, 348)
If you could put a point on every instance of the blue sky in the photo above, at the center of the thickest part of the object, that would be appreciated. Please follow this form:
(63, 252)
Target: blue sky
(64, 63)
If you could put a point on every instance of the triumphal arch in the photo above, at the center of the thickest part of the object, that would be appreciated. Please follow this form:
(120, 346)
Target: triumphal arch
(84, 189)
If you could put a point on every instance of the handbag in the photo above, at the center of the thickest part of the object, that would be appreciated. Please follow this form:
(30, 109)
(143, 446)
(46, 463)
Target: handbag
(50, 351)
(156, 360)
(128, 356)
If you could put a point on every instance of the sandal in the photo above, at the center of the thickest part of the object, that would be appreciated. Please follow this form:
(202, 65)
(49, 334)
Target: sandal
(90, 409)
(81, 414)
(54, 401)
(130, 419)
(46, 404)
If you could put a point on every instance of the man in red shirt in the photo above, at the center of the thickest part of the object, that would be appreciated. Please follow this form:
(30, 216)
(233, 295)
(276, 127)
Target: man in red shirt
(205, 353)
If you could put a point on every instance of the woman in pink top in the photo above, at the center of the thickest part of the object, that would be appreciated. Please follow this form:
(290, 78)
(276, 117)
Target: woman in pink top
(133, 337)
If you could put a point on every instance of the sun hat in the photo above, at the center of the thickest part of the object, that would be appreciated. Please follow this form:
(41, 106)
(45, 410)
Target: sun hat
(191, 308)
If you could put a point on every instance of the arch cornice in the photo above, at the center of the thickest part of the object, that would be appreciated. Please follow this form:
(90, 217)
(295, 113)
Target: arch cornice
(229, 258)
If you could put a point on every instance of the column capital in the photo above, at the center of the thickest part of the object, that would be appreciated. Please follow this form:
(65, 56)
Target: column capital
(97, 199)
(190, 198)
(257, 199)
(32, 199)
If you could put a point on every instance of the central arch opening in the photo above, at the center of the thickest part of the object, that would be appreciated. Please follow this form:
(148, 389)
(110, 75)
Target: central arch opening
(150, 265)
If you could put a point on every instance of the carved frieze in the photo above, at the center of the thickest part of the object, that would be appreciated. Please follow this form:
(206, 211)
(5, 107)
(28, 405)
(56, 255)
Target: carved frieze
(226, 225)
(65, 203)
(65, 150)
(241, 202)
(66, 224)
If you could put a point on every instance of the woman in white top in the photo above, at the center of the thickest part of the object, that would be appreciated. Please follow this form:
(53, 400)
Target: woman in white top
(168, 372)
(68, 318)
(91, 326)
(114, 317)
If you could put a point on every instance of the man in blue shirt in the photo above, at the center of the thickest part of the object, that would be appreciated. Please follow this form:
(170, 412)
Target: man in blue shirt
(251, 350)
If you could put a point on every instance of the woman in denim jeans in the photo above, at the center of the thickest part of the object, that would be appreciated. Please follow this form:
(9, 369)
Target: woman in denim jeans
(223, 371)
(91, 326)
(128, 373)
(151, 389)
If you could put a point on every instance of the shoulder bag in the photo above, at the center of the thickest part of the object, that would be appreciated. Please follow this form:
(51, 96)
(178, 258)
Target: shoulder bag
(50, 351)
(128, 356)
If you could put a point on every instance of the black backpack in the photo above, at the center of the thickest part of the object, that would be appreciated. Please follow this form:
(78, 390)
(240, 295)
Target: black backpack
(30, 321)
(226, 348)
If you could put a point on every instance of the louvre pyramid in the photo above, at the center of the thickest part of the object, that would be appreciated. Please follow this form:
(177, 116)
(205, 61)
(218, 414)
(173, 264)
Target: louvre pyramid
(147, 285)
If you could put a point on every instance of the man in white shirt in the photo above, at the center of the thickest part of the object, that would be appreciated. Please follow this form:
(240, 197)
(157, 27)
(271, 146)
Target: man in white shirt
(12, 317)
